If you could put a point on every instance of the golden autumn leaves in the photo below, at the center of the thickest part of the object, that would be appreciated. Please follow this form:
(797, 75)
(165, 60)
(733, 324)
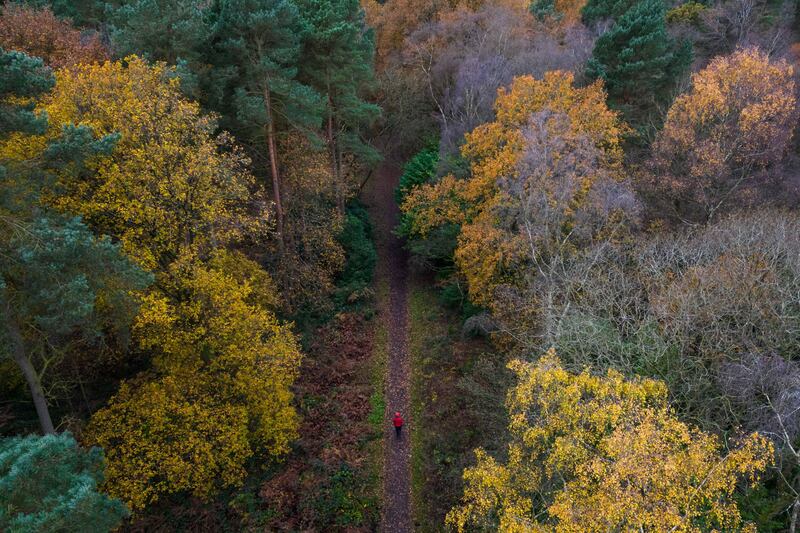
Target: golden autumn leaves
(180, 199)
(603, 453)
(494, 203)
(737, 119)
(545, 181)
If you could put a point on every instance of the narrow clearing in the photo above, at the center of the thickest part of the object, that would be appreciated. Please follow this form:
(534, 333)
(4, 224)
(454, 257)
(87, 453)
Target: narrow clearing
(393, 269)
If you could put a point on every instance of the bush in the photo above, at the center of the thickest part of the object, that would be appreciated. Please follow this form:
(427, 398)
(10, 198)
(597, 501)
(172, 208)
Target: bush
(419, 170)
(356, 239)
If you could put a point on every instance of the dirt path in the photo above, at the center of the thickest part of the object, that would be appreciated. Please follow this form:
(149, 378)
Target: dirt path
(393, 269)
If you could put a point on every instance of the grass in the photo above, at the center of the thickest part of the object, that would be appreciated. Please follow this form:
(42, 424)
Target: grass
(426, 322)
(457, 390)
(377, 400)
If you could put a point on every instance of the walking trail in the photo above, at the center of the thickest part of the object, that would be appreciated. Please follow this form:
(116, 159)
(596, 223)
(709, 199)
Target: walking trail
(393, 270)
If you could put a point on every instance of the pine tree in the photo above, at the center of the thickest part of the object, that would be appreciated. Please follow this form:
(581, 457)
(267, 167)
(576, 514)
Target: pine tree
(22, 77)
(263, 41)
(59, 285)
(337, 62)
(53, 271)
(50, 484)
(177, 32)
(544, 9)
(596, 10)
(80, 12)
(638, 61)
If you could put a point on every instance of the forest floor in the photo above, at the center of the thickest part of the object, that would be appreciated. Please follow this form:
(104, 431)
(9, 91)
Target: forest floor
(392, 270)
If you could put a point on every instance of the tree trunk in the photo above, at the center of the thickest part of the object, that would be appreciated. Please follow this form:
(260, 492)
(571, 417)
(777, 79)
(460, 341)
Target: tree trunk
(39, 401)
(795, 510)
(273, 163)
(334, 156)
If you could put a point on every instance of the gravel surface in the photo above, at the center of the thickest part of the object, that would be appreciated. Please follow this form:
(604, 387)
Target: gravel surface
(393, 267)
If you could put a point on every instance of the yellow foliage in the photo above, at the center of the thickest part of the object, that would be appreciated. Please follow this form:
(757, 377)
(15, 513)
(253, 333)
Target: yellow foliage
(489, 252)
(222, 353)
(171, 183)
(602, 453)
(166, 436)
(309, 266)
(177, 195)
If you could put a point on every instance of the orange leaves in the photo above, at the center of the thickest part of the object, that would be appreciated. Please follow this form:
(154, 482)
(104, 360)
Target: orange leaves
(534, 170)
(737, 119)
(40, 33)
(586, 107)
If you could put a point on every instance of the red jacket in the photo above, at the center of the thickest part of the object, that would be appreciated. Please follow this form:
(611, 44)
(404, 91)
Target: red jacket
(397, 421)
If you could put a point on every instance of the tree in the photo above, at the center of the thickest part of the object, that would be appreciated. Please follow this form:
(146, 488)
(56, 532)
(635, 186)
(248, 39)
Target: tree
(600, 453)
(596, 10)
(61, 290)
(177, 33)
(737, 120)
(495, 204)
(466, 56)
(394, 21)
(637, 59)
(60, 287)
(567, 12)
(263, 40)
(81, 12)
(39, 33)
(23, 79)
(171, 185)
(50, 484)
(337, 62)
(306, 271)
(223, 366)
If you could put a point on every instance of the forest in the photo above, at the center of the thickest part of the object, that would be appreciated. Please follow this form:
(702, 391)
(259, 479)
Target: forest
(399, 265)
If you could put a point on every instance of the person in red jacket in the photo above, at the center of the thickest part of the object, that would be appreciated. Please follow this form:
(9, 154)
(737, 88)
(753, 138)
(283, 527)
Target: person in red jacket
(398, 423)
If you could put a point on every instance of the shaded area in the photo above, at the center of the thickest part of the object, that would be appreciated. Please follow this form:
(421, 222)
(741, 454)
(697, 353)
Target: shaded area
(393, 268)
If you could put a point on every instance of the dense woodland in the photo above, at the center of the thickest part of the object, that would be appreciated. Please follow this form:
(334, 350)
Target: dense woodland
(599, 199)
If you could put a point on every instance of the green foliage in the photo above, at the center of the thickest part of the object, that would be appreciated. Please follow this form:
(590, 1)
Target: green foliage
(637, 59)
(420, 169)
(337, 62)
(595, 10)
(377, 411)
(50, 484)
(453, 295)
(765, 506)
(260, 43)
(544, 9)
(359, 248)
(81, 12)
(23, 77)
(62, 281)
(339, 502)
(179, 33)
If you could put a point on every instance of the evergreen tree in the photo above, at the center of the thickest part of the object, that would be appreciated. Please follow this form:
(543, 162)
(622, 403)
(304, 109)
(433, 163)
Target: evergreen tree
(544, 9)
(53, 271)
(81, 12)
(60, 287)
(596, 10)
(50, 484)
(22, 78)
(263, 41)
(176, 32)
(638, 61)
(337, 62)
